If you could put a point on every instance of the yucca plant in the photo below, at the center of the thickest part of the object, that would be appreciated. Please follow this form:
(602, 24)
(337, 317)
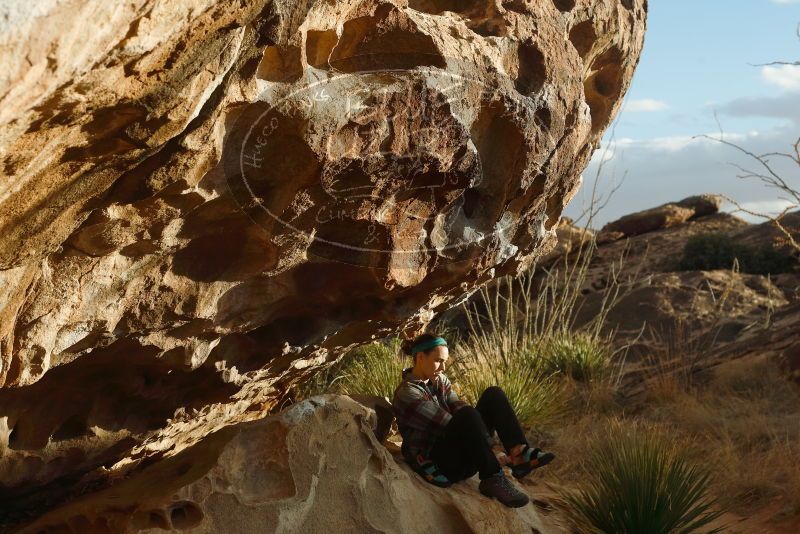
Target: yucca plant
(579, 355)
(535, 397)
(511, 327)
(638, 483)
(372, 369)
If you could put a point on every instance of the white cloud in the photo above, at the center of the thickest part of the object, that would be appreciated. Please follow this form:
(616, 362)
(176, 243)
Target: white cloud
(785, 1)
(674, 143)
(654, 171)
(784, 76)
(645, 105)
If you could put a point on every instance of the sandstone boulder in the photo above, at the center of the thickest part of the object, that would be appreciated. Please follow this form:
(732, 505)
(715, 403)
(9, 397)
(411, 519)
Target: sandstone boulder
(315, 468)
(569, 238)
(660, 217)
(206, 202)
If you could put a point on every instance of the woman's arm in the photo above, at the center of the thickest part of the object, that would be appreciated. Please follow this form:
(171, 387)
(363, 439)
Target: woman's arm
(415, 410)
(453, 402)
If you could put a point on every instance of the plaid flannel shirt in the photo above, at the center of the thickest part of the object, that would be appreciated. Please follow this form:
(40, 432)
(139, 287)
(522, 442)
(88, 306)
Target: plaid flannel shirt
(422, 411)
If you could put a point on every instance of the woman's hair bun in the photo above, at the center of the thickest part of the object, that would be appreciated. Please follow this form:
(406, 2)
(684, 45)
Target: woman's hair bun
(405, 346)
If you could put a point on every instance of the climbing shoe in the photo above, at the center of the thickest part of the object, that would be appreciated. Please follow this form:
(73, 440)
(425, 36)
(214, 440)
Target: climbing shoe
(533, 459)
(499, 487)
(431, 474)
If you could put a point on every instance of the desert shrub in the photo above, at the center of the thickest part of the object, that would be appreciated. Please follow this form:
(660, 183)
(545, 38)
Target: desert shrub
(637, 482)
(535, 397)
(537, 312)
(372, 369)
(579, 355)
(710, 251)
(498, 355)
(519, 320)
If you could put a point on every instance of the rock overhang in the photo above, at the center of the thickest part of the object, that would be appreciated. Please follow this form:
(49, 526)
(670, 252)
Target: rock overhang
(216, 201)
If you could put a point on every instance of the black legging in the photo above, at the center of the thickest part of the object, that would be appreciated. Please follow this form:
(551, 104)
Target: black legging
(464, 449)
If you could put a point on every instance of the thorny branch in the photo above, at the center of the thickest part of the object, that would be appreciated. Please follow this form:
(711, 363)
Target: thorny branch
(770, 177)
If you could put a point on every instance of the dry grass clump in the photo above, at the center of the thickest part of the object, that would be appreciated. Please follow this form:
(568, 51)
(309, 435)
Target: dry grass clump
(680, 349)
(742, 423)
(748, 418)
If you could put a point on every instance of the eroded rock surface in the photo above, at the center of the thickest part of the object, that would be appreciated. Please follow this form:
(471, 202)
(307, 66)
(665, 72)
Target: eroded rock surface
(316, 468)
(203, 201)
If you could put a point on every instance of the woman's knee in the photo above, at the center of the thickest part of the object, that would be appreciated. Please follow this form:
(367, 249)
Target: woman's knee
(467, 412)
(468, 421)
(468, 415)
(494, 392)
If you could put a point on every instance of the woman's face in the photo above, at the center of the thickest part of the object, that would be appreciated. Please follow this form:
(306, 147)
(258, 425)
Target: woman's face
(432, 363)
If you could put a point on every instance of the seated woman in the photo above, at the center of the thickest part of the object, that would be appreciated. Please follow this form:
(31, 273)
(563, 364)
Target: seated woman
(446, 440)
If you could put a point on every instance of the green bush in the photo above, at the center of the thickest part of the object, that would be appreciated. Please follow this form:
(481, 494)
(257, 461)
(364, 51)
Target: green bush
(373, 369)
(710, 251)
(638, 483)
(535, 397)
(580, 355)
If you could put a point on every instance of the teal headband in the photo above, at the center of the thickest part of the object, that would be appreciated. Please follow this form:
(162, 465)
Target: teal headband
(425, 345)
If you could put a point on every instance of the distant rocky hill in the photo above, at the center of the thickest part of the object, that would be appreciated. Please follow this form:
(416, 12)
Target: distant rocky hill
(760, 312)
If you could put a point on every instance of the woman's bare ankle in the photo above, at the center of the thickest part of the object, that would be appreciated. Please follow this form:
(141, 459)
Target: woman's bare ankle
(516, 451)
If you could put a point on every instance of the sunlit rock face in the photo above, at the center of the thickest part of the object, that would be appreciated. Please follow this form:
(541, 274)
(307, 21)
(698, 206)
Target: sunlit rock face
(204, 201)
(317, 467)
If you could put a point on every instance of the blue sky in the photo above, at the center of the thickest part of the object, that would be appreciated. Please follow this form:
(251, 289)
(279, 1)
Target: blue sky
(700, 56)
